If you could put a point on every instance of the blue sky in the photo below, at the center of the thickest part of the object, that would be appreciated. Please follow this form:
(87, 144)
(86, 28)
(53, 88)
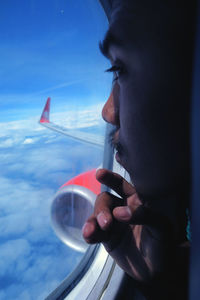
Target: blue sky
(48, 48)
(45, 51)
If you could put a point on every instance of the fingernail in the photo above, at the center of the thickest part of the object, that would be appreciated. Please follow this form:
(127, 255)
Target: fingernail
(98, 169)
(86, 229)
(102, 219)
(124, 213)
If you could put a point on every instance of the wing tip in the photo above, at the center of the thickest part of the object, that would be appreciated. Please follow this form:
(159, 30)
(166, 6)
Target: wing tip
(46, 111)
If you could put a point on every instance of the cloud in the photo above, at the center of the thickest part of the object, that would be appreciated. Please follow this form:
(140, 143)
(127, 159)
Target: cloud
(16, 131)
(30, 252)
(8, 225)
(11, 252)
(7, 143)
(29, 141)
(33, 261)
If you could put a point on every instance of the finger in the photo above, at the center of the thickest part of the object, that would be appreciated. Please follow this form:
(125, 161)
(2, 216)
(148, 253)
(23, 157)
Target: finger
(116, 182)
(92, 232)
(104, 205)
(127, 213)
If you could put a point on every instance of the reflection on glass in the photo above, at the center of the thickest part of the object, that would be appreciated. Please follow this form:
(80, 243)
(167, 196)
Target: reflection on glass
(48, 48)
(72, 205)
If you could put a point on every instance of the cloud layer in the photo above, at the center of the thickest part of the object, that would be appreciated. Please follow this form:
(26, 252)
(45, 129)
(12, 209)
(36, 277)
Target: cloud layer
(34, 164)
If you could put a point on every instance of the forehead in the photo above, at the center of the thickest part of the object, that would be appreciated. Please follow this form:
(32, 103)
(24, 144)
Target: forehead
(130, 25)
(140, 27)
(120, 34)
(121, 20)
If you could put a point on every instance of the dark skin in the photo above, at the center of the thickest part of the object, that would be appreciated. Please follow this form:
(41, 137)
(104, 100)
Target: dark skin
(144, 228)
(139, 240)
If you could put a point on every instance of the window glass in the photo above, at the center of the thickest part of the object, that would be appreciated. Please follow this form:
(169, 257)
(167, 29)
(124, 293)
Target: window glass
(48, 48)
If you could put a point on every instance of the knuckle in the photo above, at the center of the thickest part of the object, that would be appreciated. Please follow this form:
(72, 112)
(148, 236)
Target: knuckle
(101, 198)
(104, 194)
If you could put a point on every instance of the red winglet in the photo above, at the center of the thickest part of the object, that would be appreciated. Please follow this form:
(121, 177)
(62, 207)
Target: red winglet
(45, 114)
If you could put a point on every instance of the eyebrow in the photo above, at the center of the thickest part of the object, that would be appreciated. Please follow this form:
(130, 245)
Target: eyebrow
(110, 39)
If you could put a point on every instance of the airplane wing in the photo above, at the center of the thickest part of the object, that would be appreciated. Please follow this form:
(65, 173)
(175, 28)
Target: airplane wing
(75, 134)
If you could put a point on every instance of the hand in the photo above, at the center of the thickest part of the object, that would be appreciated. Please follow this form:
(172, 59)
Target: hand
(136, 237)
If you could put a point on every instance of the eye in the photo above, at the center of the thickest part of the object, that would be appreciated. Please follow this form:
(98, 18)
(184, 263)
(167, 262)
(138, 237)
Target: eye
(117, 71)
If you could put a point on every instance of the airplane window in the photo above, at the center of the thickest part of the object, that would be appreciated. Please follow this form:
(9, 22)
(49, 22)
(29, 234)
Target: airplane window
(48, 49)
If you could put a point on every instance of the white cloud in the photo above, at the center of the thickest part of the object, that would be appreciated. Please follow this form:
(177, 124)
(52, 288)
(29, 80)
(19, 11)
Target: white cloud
(29, 141)
(11, 252)
(34, 163)
(12, 225)
(26, 132)
(79, 118)
(30, 253)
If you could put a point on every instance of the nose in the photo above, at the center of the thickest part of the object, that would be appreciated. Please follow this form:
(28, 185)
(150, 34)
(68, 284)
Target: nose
(110, 111)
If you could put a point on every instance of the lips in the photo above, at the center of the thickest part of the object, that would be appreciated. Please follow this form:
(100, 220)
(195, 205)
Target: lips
(115, 139)
(117, 146)
(117, 157)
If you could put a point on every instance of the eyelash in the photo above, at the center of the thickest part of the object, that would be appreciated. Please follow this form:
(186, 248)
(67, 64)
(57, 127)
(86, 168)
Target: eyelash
(116, 70)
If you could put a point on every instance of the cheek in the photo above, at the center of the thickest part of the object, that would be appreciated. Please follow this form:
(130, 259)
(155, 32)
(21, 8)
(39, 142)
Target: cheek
(155, 139)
